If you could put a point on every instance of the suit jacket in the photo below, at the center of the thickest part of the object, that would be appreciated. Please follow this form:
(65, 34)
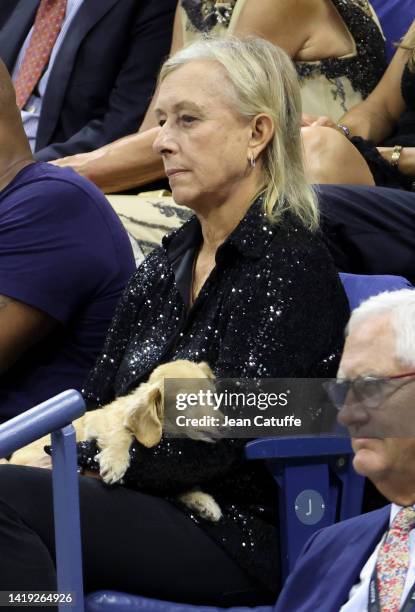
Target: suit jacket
(330, 564)
(104, 74)
(7, 7)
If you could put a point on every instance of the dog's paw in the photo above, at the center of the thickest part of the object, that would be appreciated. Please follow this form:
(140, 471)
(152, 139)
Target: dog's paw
(203, 504)
(112, 465)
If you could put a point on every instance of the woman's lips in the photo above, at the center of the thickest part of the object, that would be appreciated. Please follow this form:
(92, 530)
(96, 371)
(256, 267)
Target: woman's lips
(175, 172)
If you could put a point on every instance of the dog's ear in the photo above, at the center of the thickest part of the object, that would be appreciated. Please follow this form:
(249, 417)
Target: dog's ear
(145, 420)
(206, 369)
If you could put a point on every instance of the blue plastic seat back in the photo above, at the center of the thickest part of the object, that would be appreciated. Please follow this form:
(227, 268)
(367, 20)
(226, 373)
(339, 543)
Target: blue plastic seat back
(360, 287)
(395, 17)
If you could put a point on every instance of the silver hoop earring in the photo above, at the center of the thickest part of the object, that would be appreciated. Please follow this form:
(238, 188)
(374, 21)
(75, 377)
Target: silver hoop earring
(252, 160)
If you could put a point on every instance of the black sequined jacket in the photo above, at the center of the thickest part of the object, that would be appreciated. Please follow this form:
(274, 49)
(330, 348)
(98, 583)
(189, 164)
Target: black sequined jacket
(272, 307)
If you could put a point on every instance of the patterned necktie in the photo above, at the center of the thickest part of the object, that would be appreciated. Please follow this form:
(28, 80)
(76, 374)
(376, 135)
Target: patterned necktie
(48, 23)
(393, 560)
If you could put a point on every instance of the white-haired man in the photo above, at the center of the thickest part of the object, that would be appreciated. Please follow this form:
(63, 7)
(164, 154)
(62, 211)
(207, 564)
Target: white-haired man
(368, 562)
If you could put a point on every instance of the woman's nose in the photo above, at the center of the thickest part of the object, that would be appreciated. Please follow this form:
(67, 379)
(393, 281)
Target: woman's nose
(164, 142)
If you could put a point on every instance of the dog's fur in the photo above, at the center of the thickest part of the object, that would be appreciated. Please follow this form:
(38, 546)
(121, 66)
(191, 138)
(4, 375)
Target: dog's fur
(141, 414)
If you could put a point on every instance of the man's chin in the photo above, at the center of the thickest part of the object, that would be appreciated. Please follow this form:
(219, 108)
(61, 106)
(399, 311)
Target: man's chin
(368, 460)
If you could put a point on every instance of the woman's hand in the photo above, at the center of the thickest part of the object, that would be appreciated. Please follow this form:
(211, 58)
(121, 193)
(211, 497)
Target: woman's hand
(307, 119)
(314, 120)
(124, 164)
(406, 162)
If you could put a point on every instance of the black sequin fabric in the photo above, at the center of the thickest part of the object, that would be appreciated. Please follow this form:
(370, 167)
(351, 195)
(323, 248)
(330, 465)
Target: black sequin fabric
(272, 307)
(204, 15)
(366, 67)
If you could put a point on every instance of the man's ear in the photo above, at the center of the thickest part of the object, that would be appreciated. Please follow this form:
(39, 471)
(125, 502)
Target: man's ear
(262, 131)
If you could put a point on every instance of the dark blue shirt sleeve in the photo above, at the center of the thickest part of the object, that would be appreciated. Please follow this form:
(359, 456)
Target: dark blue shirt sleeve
(48, 254)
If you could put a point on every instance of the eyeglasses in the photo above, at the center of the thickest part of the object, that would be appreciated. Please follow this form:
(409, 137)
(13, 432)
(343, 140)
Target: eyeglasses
(368, 391)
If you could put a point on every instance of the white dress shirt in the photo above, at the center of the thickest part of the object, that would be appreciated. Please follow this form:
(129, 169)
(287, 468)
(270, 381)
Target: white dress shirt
(31, 112)
(359, 593)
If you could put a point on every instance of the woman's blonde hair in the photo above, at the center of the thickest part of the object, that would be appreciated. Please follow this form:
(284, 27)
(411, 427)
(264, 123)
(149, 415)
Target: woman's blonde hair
(264, 81)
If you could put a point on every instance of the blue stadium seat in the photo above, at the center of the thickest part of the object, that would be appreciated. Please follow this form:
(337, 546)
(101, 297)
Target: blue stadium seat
(395, 17)
(317, 485)
(360, 287)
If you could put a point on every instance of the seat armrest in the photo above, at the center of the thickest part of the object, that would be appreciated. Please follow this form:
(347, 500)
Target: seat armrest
(286, 447)
(44, 418)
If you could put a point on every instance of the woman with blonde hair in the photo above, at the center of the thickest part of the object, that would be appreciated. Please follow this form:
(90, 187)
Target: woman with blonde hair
(336, 45)
(245, 285)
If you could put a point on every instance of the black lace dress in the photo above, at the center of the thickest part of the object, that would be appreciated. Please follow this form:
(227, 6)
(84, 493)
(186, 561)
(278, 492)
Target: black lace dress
(384, 174)
(329, 86)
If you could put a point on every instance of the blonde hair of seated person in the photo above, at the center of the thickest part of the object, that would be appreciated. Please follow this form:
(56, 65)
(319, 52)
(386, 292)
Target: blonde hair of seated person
(263, 80)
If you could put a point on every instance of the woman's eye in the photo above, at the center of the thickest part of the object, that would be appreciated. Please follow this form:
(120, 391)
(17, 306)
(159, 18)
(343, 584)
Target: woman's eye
(162, 122)
(188, 119)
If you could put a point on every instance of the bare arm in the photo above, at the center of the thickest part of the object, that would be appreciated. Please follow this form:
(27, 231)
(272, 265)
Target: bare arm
(376, 117)
(126, 163)
(286, 23)
(21, 326)
(308, 30)
(406, 161)
(130, 161)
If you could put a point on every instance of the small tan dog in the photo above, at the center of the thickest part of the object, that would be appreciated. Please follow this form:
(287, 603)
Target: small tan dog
(140, 415)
